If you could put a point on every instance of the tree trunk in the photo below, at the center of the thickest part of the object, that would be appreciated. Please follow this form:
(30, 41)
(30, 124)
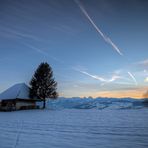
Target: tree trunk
(44, 104)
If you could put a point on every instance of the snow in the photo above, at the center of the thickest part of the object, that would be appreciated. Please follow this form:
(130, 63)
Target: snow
(20, 90)
(74, 128)
(75, 123)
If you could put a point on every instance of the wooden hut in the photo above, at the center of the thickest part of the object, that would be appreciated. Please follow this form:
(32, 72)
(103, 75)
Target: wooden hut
(17, 98)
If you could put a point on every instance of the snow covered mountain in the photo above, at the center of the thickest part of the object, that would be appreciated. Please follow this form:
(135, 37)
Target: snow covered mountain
(98, 103)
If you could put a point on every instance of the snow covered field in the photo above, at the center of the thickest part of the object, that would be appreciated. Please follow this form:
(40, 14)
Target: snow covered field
(106, 127)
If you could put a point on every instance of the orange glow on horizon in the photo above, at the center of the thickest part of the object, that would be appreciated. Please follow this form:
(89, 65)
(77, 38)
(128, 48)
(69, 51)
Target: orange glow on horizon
(136, 93)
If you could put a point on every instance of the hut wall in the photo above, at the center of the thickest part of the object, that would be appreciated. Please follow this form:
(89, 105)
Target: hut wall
(24, 105)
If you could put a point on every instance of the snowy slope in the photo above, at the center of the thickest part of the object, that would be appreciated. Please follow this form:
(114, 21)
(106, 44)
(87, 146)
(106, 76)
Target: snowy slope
(74, 128)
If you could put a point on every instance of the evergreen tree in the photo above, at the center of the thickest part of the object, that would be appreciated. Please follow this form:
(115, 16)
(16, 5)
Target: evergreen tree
(43, 84)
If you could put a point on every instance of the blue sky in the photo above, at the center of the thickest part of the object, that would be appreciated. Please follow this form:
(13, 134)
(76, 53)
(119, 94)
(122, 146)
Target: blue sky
(81, 40)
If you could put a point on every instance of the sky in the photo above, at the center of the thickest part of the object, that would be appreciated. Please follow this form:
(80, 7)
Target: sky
(96, 48)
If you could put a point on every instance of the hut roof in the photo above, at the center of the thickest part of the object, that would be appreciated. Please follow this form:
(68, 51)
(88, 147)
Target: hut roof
(20, 91)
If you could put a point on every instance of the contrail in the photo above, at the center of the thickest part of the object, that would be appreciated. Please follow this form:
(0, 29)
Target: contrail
(132, 76)
(113, 78)
(43, 52)
(107, 39)
(93, 76)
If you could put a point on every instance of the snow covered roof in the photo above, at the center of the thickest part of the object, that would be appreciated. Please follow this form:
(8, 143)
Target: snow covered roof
(20, 91)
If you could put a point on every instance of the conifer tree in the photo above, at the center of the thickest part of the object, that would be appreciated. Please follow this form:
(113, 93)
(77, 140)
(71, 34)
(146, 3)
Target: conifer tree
(43, 84)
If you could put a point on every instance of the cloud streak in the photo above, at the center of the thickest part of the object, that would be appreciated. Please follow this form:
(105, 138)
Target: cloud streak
(144, 62)
(107, 39)
(133, 78)
(21, 34)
